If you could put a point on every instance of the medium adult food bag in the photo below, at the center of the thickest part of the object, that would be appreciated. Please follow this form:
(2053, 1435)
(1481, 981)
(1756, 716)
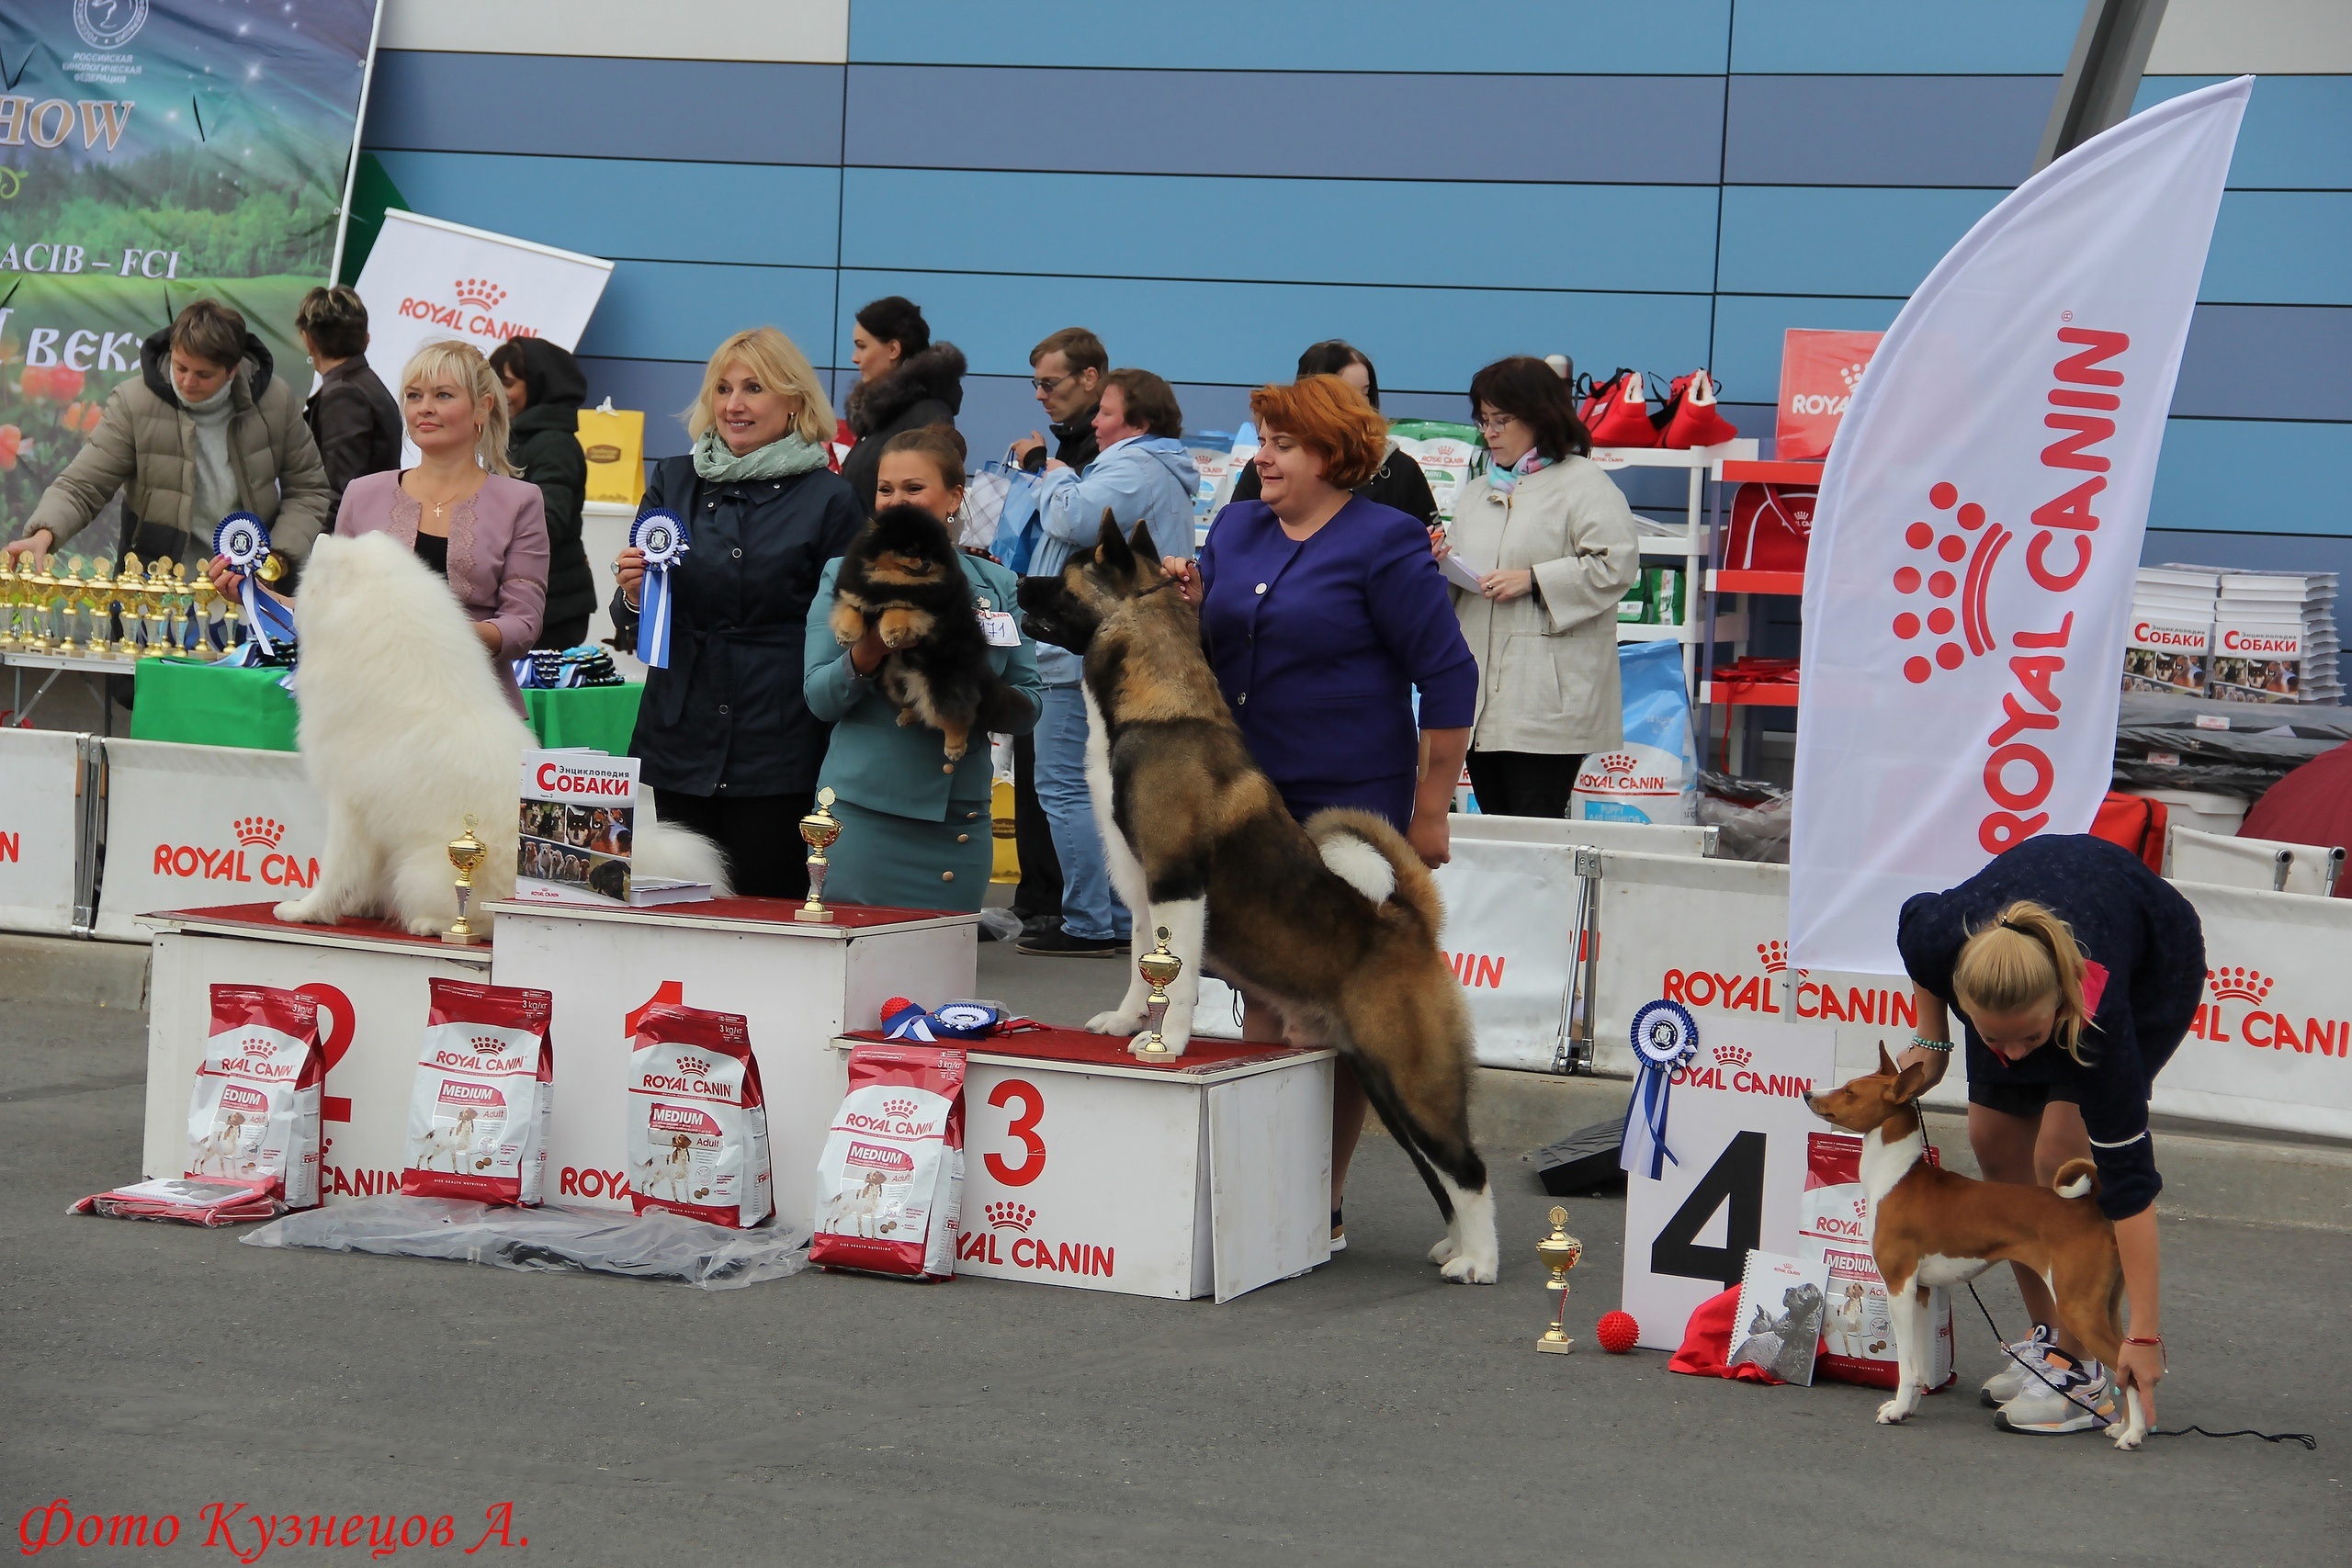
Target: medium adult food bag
(890, 1182)
(697, 1135)
(1833, 1227)
(254, 1116)
(485, 1088)
(1651, 775)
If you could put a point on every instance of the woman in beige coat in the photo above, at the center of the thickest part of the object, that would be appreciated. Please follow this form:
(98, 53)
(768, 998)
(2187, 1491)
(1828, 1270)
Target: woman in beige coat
(1554, 545)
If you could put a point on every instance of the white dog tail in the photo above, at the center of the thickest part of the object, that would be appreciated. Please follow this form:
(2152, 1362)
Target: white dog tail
(680, 854)
(1374, 858)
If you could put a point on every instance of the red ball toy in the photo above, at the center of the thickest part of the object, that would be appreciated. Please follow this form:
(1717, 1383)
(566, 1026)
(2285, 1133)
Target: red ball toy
(1617, 1331)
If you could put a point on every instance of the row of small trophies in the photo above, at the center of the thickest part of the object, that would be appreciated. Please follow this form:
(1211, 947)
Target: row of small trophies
(44, 609)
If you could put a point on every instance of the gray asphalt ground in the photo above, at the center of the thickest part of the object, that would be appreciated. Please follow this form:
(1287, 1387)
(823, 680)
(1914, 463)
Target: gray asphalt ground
(1366, 1413)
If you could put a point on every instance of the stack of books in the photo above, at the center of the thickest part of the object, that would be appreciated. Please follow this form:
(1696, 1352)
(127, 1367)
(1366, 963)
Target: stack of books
(2273, 639)
(2169, 645)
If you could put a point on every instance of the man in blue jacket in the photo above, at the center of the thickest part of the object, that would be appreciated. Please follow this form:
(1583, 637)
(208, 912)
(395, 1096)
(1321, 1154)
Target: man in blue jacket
(1143, 475)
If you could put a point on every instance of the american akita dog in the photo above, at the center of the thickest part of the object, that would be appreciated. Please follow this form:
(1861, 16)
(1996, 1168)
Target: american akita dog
(1334, 924)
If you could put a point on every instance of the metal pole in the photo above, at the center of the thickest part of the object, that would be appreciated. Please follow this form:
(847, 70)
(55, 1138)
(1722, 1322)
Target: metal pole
(2102, 74)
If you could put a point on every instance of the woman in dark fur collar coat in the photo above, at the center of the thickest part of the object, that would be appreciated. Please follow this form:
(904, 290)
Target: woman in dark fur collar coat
(905, 381)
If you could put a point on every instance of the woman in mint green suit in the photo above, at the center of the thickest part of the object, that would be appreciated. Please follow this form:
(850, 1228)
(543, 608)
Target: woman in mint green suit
(914, 835)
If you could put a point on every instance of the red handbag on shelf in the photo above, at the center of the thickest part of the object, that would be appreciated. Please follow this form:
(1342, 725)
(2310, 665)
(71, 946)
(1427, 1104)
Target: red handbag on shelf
(1770, 526)
(1619, 414)
(1688, 416)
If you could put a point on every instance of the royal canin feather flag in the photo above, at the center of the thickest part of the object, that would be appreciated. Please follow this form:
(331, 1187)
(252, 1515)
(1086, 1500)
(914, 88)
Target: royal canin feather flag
(1979, 527)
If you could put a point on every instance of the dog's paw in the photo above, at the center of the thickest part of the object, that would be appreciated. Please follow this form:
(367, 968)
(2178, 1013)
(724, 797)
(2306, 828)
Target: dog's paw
(1443, 1252)
(1118, 1020)
(304, 912)
(1892, 1413)
(907, 719)
(425, 925)
(956, 751)
(2125, 1439)
(1464, 1269)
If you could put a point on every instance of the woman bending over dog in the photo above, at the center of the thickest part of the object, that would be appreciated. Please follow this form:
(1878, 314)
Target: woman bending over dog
(2074, 971)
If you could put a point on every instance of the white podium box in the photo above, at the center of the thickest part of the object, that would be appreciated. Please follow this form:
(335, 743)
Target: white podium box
(194, 822)
(1210, 1175)
(43, 835)
(373, 984)
(797, 985)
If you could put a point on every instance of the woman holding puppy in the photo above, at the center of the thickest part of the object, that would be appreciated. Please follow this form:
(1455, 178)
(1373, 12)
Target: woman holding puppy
(915, 835)
(728, 741)
(2074, 971)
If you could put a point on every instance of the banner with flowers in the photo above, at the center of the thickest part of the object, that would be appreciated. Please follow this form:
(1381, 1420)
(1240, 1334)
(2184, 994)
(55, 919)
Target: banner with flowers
(150, 151)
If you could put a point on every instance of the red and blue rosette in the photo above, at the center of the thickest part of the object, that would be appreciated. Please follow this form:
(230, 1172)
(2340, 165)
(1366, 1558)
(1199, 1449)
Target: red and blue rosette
(243, 540)
(1665, 1037)
(662, 535)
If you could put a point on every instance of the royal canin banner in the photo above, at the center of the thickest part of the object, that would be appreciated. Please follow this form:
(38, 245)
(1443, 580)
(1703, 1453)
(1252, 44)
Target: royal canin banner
(1969, 588)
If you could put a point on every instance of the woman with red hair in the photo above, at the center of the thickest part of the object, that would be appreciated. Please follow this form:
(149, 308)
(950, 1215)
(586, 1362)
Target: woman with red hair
(1322, 612)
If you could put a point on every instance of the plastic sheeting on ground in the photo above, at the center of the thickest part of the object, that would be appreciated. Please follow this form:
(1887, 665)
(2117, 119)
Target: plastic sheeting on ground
(653, 1246)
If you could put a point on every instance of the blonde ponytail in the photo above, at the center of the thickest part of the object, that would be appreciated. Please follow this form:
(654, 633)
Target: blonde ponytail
(2025, 957)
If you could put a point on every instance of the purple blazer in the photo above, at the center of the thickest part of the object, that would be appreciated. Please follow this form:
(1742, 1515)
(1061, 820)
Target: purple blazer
(498, 552)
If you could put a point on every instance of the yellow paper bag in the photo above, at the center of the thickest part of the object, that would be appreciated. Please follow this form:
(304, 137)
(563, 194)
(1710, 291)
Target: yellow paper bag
(615, 442)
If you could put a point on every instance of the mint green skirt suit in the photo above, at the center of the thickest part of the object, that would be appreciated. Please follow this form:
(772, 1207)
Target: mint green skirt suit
(914, 836)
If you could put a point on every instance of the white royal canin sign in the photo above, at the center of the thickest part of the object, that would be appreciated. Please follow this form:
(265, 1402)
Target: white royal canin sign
(1968, 591)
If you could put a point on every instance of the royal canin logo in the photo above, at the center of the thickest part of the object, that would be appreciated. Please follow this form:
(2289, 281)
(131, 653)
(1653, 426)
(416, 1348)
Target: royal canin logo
(680, 1118)
(271, 867)
(474, 312)
(1614, 762)
(1009, 1217)
(488, 1045)
(1739, 992)
(1946, 579)
(898, 1107)
(480, 293)
(2241, 1013)
(2254, 645)
(693, 1067)
(1774, 956)
(2149, 635)
(1733, 1055)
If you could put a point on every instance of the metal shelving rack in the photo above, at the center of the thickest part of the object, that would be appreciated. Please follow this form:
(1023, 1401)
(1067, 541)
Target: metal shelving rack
(1720, 581)
(1695, 547)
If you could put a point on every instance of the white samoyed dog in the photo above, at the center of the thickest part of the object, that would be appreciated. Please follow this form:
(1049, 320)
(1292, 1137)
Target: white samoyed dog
(404, 730)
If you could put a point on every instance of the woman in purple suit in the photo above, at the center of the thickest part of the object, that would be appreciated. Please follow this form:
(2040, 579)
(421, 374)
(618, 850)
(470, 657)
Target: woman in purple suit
(1322, 612)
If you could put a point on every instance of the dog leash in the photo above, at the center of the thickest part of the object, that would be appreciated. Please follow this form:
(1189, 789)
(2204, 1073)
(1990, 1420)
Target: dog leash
(2104, 1420)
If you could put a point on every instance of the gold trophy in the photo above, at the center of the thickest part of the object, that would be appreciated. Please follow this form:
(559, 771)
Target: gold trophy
(1558, 1252)
(818, 829)
(123, 597)
(466, 853)
(181, 601)
(1160, 966)
(200, 602)
(157, 590)
(44, 587)
(69, 601)
(11, 569)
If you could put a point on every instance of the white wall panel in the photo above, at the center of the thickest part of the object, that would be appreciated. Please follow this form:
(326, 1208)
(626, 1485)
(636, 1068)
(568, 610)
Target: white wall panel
(809, 31)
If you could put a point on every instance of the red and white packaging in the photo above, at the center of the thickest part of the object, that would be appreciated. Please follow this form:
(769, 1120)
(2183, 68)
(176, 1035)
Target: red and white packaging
(1770, 528)
(890, 1182)
(697, 1118)
(185, 1201)
(254, 1116)
(1833, 1226)
(1819, 371)
(484, 1091)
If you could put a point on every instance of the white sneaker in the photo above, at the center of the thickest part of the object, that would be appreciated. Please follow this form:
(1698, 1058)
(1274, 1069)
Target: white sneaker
(2081, 1400)
(2013, 1379)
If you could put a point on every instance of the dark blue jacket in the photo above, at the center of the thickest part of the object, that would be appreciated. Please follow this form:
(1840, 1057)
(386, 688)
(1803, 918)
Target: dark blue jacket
(2131, 923)
(1319, 646)
(727, 717)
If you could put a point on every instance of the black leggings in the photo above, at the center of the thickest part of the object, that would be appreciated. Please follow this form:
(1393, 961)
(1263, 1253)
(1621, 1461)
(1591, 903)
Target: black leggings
(1523, 783)
(759, 834)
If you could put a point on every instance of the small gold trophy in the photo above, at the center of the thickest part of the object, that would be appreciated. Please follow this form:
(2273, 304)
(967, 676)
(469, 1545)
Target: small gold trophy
(11, 569)
(125, 597)
(44, 588)
(158, 591)
(466, 853)
(71, 596)
(200, 606)
(1160, 966)
(820, 828)
(1558, 1252)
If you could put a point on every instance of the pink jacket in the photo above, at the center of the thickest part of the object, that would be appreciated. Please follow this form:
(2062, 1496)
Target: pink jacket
(498, 552)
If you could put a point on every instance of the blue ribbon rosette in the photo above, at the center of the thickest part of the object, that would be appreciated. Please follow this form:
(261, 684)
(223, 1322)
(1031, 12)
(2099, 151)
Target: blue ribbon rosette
(243, 540)
(1665, 1038)
(662, 537)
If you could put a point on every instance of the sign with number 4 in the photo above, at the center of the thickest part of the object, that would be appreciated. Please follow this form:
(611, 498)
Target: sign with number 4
(1736, 1127)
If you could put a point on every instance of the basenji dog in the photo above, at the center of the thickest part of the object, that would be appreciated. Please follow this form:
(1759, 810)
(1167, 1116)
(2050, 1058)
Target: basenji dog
(1929, 1227)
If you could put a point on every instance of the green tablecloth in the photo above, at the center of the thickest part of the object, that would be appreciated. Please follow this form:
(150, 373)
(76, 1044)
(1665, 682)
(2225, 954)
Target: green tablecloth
(206, 704)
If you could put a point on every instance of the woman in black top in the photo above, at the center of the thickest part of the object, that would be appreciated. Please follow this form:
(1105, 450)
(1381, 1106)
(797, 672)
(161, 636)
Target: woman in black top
(728, 745)
(2074, 971)
(544, 391)
(1399, 482)
(905, 382)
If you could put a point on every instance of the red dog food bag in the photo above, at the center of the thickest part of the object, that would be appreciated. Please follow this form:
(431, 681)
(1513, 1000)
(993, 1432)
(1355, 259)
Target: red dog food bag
(1833, 1226)
(697, 1119)
(890, 1182)
(255, 1114)
(485, 1088)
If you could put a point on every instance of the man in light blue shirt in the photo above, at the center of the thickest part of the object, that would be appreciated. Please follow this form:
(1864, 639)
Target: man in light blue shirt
(1144, 474)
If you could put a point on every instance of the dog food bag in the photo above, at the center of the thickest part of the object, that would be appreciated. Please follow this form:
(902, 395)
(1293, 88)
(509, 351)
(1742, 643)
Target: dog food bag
(1833, 1227)
(485, 1088)
(697, 1119)
(890, 1182)
(1651, 776)
(255, 1114)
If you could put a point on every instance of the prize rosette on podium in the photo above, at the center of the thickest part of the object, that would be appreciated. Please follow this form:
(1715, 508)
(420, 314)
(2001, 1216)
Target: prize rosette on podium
(243, 540)
(662, 537)
(1665, 1038)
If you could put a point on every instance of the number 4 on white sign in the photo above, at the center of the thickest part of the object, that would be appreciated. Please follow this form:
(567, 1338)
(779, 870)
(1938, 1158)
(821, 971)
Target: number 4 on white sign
(1737, 1179)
